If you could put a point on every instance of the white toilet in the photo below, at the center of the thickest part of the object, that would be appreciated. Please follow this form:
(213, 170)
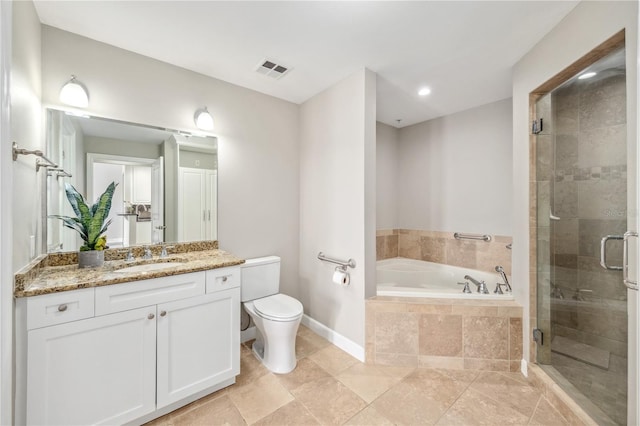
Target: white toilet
(275, 315)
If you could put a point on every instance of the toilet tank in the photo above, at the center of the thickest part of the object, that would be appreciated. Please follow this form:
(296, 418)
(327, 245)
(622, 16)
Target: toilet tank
(260, 278)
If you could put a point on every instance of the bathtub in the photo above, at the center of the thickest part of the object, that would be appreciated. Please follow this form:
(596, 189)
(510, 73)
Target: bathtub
(402, 277)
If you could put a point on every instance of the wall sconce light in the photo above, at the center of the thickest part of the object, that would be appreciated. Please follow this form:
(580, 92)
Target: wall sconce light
(74, 93)
(203, 119)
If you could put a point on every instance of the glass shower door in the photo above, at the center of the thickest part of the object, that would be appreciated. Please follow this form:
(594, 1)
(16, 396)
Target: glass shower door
(581, 180)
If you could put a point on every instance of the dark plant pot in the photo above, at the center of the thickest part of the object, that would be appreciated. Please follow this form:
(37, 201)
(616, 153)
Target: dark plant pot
(90, 259)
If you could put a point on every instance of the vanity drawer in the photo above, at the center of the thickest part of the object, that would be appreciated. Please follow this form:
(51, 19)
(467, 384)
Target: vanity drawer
(223, 278)
(58, 308)
(136, 294)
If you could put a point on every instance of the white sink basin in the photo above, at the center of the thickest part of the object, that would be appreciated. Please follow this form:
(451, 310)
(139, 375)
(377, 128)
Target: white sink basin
(150, 267)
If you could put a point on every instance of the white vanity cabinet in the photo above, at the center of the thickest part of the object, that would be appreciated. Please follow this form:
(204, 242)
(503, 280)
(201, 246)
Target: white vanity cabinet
(95, 371)
(128, 353)
(198, 344)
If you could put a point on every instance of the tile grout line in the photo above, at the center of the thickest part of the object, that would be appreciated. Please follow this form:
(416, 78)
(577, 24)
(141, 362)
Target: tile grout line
(535, 410)
(456, 400)
(490, 396)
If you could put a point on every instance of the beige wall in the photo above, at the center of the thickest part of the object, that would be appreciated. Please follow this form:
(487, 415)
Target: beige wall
(6, 228)
(454, 172)
(581, 30)
(337, 135)
(386, 176)
(99, 145)
(26, 130)
(257, 136)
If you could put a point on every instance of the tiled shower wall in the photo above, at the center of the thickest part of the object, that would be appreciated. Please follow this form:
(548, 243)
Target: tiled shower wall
(441, 247)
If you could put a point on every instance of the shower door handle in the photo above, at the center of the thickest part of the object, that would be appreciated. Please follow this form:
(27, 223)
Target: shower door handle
(633, 285)
(603, 252)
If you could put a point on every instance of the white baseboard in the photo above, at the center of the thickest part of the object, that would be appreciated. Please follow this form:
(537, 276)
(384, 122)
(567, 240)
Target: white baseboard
(523, 367)
(337, 339)
(248, 334)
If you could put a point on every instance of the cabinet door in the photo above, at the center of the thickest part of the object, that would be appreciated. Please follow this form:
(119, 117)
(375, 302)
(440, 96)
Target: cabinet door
(212, 205)
(94, 371)
(141, 188)
(198, 344)
(192, 211)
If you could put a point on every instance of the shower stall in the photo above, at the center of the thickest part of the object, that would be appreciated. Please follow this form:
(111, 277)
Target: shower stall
(581, 182)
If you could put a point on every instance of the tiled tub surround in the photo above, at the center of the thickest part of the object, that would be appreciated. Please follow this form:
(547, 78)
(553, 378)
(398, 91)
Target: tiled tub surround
(444, 333)
(442, 247)
(57, 272)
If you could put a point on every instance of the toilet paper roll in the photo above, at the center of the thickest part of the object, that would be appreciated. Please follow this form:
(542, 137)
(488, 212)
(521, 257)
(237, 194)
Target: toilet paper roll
(340, 277)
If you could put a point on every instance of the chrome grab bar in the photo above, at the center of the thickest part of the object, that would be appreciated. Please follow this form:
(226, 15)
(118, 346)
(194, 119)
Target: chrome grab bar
(462, 236)
(350, 263)
(603, 252)
(630, 284)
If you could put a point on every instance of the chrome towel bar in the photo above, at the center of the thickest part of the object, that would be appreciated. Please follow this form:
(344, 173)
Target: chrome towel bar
(462, 236)
(350, 263)
(21, 151)
(45, 162)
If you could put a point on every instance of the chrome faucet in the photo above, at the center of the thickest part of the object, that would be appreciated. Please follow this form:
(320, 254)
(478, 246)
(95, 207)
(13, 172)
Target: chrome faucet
(578, 294)
(164, 253)
(466, 287)
(147, 253)
(481, 285)
(556, 292)
(129, 257)
(500, 270)
(498, 289)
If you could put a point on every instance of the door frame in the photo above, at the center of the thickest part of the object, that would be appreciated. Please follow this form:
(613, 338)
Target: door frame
(633, 381)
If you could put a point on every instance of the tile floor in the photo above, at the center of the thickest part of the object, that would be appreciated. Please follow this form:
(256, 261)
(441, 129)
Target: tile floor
(329, 387)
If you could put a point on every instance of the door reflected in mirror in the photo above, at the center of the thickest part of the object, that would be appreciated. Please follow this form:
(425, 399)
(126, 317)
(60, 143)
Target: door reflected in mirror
(167, 180)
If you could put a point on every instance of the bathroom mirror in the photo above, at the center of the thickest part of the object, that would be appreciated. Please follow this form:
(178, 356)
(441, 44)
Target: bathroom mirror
(167, 180)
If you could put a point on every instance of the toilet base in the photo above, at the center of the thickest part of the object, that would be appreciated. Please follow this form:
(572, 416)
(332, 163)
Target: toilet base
(258, 350)
(275, 344)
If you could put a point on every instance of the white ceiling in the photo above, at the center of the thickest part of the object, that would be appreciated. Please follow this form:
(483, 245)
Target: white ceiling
(462, 50)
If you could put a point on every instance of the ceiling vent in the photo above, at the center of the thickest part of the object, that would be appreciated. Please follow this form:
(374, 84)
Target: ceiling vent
(272, 69)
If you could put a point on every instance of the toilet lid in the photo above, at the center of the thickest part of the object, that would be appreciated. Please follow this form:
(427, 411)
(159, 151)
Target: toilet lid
(278, 307)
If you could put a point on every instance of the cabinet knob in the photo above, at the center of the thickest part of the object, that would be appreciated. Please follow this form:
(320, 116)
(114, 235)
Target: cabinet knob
(62, 307)
(163, 313)
(151, 316)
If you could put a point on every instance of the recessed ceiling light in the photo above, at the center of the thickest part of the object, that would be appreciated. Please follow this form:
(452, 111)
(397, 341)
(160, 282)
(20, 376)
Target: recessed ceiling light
(424, 91)
(586, 75)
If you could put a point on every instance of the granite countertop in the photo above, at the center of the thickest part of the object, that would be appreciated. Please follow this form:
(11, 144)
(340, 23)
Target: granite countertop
(54, 273)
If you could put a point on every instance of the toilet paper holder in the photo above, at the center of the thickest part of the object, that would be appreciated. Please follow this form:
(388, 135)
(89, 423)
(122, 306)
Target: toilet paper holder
(343, 265)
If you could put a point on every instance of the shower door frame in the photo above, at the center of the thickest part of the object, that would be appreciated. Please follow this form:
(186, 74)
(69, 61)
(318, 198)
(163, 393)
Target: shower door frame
(615, 42)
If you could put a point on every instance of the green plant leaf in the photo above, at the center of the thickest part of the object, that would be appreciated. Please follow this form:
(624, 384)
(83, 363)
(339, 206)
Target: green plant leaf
(77, 202)
(101, 209)
(72, 223)
(90, 223)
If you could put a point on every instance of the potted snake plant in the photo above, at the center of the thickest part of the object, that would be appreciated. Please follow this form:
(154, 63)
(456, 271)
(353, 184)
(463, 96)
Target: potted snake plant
(91, 223)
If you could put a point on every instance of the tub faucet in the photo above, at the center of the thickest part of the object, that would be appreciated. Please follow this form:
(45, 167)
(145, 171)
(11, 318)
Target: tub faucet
(466, 288)
(481, 285)
(500, 270)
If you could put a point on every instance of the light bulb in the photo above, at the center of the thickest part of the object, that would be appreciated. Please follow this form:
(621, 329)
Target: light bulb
(73, 93)
(203, 119)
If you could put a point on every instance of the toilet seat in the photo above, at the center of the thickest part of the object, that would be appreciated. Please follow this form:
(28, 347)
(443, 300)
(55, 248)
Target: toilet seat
(278, 307)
